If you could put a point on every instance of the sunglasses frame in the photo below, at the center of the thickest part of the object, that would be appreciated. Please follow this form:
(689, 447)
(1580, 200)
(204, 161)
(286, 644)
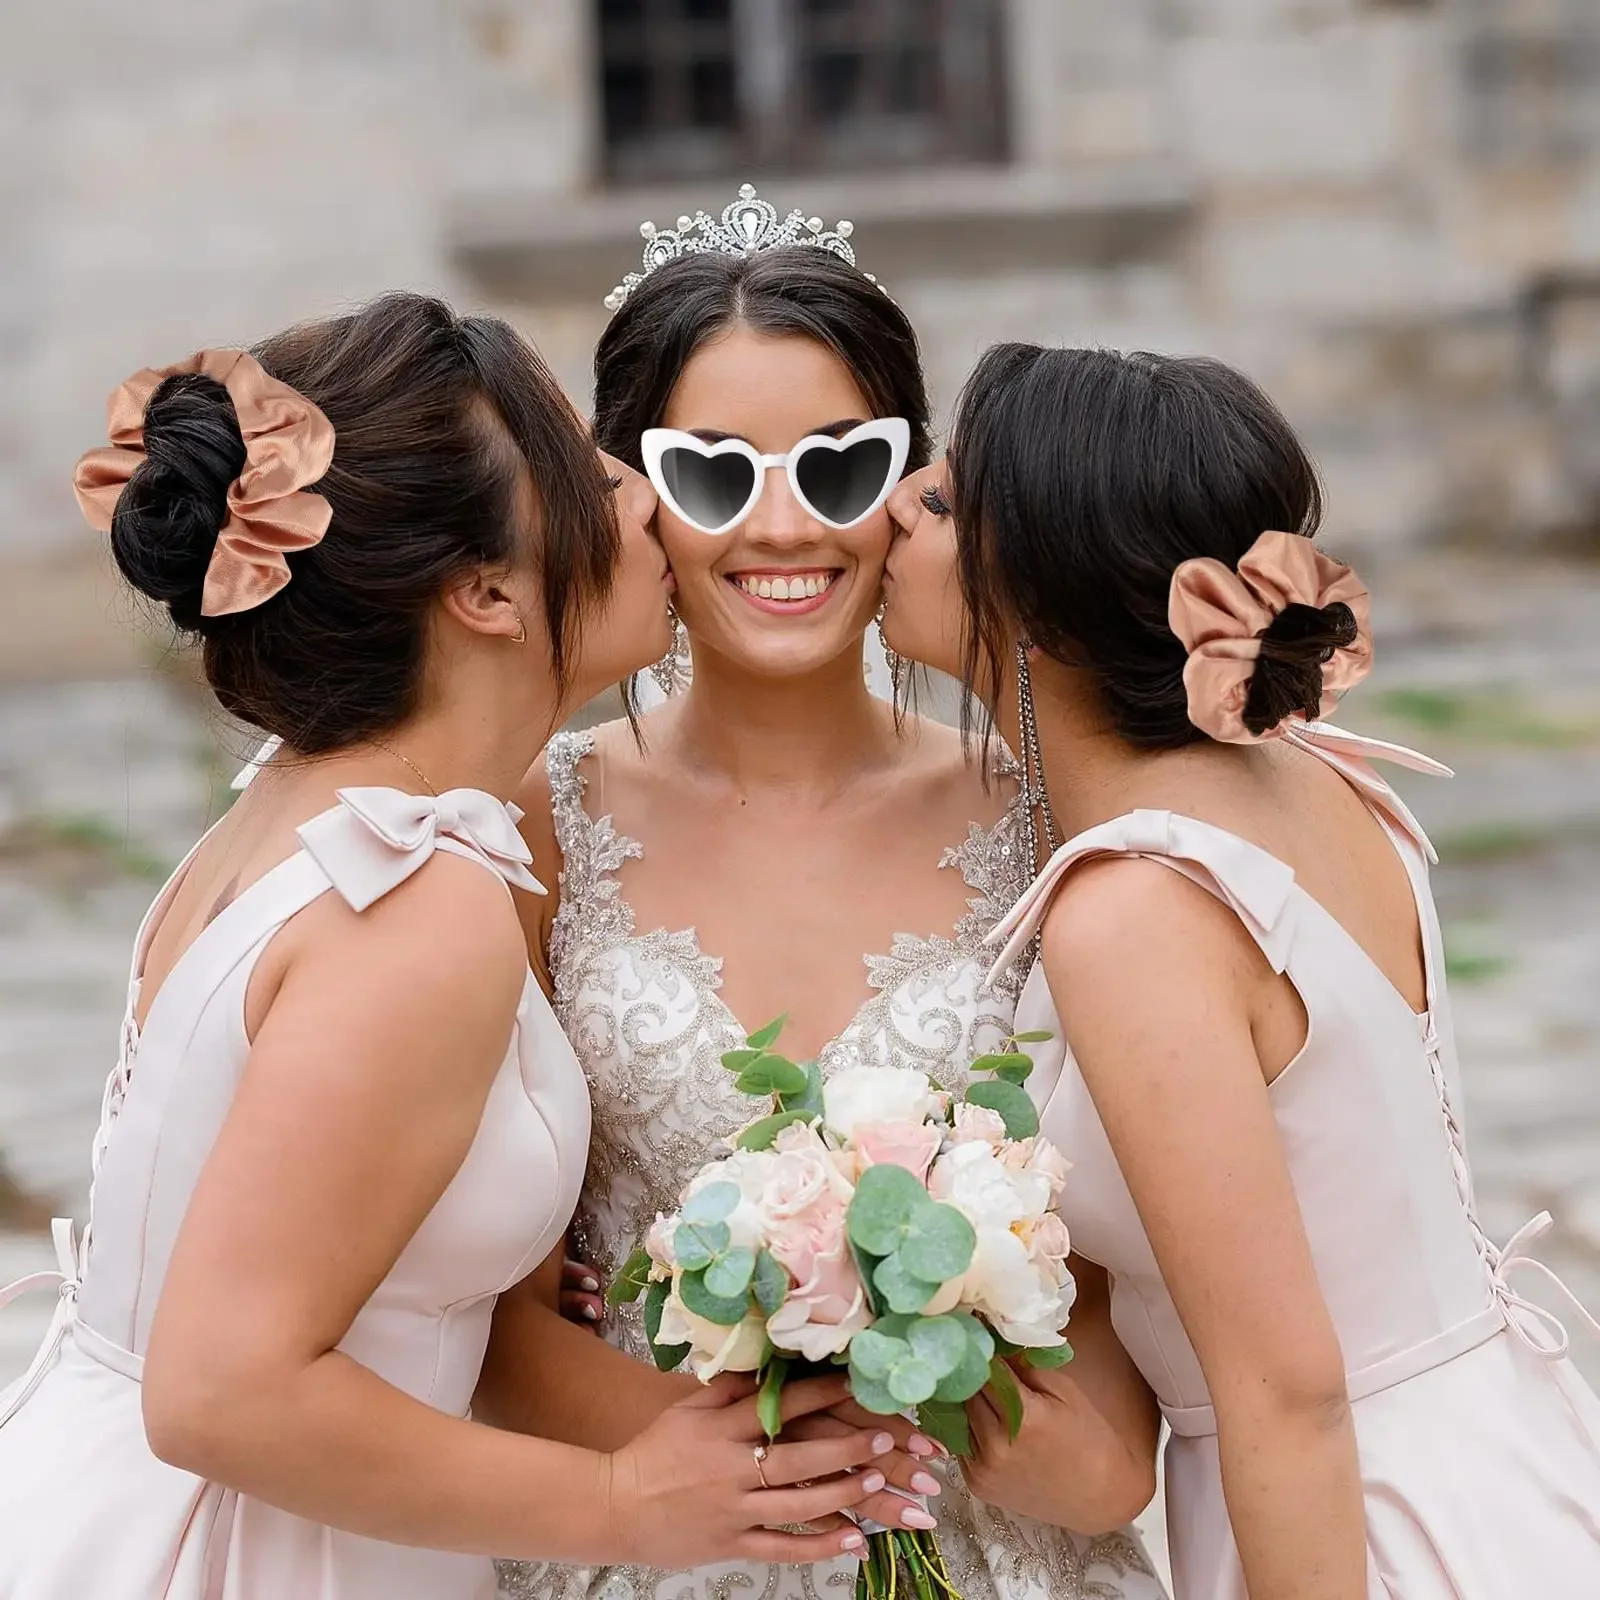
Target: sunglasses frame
(655, 442)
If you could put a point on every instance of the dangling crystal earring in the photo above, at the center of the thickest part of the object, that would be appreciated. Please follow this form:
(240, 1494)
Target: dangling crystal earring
(1036, 798)
(892, 658)
(671, 672)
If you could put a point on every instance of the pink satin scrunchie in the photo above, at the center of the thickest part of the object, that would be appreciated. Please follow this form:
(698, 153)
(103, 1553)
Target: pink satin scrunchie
(1220, 616)
(288, 444)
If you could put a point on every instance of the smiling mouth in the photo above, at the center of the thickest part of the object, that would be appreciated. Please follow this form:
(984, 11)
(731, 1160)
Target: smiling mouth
(789, 592)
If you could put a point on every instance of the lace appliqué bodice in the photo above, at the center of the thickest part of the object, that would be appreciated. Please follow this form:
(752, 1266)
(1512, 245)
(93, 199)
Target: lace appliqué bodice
(646, 1018)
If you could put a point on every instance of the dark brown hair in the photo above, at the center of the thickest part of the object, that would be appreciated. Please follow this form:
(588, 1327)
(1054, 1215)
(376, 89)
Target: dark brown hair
(439, 421)
(796, 290)
(1082, 479)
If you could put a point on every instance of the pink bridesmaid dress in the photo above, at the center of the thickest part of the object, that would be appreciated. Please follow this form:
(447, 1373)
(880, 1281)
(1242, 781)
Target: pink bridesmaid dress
(86, 1511)
(1479, 1441)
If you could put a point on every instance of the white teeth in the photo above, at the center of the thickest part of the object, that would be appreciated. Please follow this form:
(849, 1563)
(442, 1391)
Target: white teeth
(796, 588)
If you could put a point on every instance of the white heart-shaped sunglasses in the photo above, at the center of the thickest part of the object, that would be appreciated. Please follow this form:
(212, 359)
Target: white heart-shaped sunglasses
(714, 487)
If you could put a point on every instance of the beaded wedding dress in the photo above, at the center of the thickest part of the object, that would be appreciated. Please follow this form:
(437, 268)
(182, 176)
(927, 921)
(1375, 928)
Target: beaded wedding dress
(644, 1014)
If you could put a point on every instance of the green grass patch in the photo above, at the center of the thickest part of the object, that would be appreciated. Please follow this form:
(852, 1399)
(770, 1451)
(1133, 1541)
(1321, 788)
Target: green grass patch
(1486, 716)
(71, 840)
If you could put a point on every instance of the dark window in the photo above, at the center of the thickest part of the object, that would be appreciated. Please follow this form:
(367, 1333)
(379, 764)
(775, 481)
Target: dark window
(693, 87)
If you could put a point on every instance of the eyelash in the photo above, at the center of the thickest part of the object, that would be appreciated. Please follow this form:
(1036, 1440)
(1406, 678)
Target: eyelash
(614, 484)
(935, 502)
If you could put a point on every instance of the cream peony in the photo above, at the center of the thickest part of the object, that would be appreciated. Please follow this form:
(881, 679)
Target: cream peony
(860, 1096)
(978, 1125)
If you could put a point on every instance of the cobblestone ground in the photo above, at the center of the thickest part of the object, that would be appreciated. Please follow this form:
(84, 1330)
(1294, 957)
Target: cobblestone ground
(102, 786)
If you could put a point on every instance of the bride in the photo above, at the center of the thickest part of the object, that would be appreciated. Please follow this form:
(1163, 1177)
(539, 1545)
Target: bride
(772, 839)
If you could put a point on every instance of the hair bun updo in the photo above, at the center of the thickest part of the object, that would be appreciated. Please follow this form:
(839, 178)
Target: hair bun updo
(1298, 644)
(176, 503)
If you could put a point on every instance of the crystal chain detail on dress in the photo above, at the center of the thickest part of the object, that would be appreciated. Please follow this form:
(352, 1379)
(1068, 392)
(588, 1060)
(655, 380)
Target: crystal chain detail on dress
(1518, 1309)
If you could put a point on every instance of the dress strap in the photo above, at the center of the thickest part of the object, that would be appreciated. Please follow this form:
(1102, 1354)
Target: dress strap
(375, 839)
(1352, 754)
(1254, 884)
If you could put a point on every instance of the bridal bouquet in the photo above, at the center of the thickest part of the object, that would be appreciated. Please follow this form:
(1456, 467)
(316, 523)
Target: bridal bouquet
(875, 1223)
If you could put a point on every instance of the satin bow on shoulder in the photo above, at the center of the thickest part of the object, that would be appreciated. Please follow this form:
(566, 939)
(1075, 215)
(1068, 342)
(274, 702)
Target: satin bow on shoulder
(377, 838)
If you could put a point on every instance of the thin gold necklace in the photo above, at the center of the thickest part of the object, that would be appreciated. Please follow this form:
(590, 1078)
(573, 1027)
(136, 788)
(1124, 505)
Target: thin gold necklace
(389, 751)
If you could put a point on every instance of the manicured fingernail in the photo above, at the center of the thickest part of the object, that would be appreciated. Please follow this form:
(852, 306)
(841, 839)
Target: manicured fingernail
(919, 1446)
(882, 1443)
(855, 1543)
(591, 1314)
(924, 1484)
(592, 1285)
(916, 1517)
(873, 1482)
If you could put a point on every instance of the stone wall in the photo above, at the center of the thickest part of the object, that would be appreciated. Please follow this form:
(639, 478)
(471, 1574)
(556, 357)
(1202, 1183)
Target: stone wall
(1388, 210)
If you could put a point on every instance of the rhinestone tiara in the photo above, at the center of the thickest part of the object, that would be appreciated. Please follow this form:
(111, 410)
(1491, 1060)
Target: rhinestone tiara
(750, 224)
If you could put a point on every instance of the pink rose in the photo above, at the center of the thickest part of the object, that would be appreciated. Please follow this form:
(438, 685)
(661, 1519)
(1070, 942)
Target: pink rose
(826, 1308)
(911, 1145)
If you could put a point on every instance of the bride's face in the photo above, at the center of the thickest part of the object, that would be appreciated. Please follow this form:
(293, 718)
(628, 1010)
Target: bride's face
(924, 616)
(772, 392)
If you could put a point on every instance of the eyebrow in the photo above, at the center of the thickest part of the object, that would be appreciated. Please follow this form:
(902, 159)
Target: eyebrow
(829, 430)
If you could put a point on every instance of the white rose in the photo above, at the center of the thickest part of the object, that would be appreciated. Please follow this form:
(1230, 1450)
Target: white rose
(862, 1095)
(1024, 1300)
(978, 1183)
(713, 1347)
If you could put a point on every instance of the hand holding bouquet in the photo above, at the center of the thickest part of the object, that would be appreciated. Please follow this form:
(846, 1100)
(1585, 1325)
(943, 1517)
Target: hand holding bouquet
(872, 1222)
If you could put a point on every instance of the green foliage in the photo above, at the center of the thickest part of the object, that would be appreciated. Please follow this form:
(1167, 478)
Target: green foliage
(1047, 1357)
(728, 1277)
(725, 1310)
(1011, 1102)
(668, 1357)
(769, 1399)
(632, 1281)
(947, 1423)
(1003, 1385)
(760, 1135)
(769, 1282)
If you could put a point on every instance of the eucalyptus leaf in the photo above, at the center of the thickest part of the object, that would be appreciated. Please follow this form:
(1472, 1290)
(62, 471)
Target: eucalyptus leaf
(939, 1243)
(760, 1135)
(1003, 1385)
(769, 1283)
(940, 1341)
(632, 1281)
(810, 1098)
(901, 1291)
(763, 1037)
(1033, 1036)
(771, 1074)
(695, 1245)
(1013, 1104)
(979, 1333)
(769, 1401)
(1046, 1357)
(738, 1060)
(993, 1063)
(885, 1199)
(874, 1354)
(712, 1203)
(968, 1376)
(946, 1423)
(729, 1275)
(912, 1381)
(1017, 1069)
(726, 1312)
(872, 1394)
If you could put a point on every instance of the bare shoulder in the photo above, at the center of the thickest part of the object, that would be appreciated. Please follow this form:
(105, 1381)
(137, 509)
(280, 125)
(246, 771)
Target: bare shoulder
(1121, 921)
(959, 781)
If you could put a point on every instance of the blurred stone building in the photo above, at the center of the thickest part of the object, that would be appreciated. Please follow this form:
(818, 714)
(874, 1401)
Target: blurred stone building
(1387, 210)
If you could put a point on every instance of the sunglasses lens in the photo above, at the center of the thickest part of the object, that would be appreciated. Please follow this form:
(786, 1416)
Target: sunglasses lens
(710, 490)
(843, 484)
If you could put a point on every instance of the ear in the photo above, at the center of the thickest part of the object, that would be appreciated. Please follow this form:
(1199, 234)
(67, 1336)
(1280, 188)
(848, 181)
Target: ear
(482, 602)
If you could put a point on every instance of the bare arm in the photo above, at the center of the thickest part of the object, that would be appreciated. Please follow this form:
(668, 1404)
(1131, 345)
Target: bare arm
(1157, 986)
(363, 1091)
(1085, 1457)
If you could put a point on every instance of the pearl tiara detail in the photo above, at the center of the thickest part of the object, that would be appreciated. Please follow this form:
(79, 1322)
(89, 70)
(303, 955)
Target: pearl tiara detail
(748, 225)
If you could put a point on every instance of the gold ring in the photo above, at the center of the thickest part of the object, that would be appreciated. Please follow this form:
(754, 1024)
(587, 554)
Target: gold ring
(760, 1455)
